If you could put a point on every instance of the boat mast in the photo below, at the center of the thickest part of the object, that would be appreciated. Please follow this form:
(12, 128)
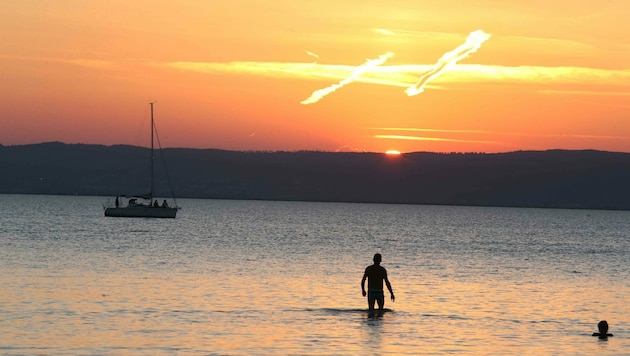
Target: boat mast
(152, 128)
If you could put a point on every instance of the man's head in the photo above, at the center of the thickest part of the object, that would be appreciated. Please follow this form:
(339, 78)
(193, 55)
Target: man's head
(377, 258)
(603, 327)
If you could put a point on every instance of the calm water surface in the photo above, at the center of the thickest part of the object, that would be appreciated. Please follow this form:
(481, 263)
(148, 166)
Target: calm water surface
(261, 278)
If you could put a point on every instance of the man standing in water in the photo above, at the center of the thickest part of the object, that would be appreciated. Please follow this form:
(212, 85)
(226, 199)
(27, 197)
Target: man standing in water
(376, 274)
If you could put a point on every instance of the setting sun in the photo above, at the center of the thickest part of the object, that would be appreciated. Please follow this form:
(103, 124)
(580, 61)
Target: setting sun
(392, 153)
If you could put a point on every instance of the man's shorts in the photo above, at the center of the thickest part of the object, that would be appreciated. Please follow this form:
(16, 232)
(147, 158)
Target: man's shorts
(378, 295)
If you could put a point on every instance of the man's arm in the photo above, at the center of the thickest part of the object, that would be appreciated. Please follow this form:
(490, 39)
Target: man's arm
(363, 283)
(389, 287)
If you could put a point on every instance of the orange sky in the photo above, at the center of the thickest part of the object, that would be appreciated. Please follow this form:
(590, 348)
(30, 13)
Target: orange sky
(233, 74)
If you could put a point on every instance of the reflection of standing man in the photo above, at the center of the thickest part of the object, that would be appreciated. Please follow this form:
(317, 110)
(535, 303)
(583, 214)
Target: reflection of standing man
(376, 274)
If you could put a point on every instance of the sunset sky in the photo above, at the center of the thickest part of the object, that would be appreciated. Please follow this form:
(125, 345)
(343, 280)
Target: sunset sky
(237, 74)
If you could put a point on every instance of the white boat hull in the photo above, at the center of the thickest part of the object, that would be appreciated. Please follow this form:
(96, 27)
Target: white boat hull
(141, 212)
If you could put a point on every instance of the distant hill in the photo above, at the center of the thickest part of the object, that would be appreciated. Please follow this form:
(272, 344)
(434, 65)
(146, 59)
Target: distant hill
(555, 178)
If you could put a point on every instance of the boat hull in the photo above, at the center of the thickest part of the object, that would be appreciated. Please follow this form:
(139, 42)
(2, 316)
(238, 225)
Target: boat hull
(141, 212)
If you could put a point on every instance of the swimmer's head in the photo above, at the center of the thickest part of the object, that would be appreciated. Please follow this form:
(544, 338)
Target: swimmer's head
(603, 327)
(377, 258)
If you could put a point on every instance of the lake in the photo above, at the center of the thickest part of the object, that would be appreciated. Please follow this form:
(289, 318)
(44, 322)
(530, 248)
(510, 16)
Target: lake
(283, 278)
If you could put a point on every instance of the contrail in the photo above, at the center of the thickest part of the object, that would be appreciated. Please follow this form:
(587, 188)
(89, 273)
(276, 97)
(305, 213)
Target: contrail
(472, 44)
(369, 64)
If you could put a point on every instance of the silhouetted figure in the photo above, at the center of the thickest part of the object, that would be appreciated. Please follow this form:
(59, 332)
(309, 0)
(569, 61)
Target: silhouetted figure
(376, 274)
(117, 202)
(164, 204)
(155, 204)
(603, 330)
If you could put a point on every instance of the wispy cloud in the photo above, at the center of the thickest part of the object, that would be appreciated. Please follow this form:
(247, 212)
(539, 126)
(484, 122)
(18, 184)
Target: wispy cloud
(417, 34)
(435, 139)
(473, 43)
(384, 31)
(585, 92)
(80, 62)
(314, 55)
(91, 63)
(405, 75)
(482, 132)
(413, 129)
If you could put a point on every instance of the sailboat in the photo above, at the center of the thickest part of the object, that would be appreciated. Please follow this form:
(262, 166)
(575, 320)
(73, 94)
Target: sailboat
(144, 205)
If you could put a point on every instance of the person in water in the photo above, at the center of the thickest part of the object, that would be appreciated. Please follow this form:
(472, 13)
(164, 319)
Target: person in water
(603, 330)
(376, 274)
